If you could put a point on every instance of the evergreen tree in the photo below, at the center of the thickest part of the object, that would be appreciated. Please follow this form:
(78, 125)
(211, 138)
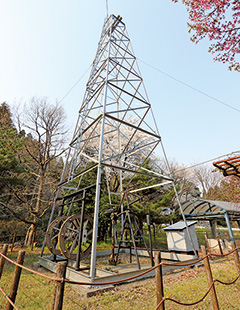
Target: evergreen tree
(10, 145)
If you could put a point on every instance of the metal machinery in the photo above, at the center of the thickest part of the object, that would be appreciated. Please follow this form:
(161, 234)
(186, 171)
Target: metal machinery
(115, 134)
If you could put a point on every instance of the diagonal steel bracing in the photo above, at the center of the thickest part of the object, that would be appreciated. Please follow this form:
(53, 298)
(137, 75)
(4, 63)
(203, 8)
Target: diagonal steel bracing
(116, 129)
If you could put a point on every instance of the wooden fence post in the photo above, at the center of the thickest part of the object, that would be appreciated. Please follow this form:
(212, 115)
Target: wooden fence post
(236, 257)
(159, 280)
(207, 266)
(13, 240)
(219, 245)
(2, 259)
(59, 286)
(16, 278)
(207, 243)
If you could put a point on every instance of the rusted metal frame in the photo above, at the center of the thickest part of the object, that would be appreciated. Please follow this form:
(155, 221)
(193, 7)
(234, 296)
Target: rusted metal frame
(151, 186)
(77, 192)
(133, 126)
(79, 174)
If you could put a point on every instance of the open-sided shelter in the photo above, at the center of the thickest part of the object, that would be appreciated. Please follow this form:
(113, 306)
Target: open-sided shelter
(209, 210)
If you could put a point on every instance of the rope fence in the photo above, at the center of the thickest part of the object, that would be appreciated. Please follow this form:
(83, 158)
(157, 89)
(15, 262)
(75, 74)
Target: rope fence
(61, 270)
(8, 299)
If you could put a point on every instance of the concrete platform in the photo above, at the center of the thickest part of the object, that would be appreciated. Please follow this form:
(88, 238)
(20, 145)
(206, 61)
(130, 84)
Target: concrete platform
(114, 273)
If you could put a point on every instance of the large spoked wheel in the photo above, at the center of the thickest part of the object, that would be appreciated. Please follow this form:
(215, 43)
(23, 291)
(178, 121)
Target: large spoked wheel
(52, 235)
(69, 234)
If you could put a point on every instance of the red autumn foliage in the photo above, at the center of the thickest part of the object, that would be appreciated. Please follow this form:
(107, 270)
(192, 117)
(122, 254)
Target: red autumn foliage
(219, 20)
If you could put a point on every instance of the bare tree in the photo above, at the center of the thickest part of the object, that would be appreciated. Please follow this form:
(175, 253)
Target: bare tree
(43, 125)
(206, 177)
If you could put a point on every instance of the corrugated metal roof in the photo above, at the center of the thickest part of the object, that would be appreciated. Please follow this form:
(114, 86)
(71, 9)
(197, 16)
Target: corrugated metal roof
(201, 206)
(180, 225)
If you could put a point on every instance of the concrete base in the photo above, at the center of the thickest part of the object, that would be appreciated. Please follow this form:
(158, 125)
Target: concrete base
(115, 273)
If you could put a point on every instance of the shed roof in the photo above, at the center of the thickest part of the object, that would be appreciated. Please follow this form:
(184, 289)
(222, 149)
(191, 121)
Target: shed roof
(180, 225)
(206, 209)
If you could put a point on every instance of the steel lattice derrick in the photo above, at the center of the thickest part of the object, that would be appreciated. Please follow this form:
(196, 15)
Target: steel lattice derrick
(116, 131)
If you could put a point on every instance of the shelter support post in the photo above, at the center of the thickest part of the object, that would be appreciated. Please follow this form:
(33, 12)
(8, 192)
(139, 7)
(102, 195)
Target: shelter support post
(213, 228)
(229, 227)
(238, 222)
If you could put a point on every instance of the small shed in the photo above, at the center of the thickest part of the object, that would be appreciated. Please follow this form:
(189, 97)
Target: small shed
(178, 238)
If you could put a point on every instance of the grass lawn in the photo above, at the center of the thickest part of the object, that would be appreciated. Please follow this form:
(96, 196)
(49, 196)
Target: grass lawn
(186, 286)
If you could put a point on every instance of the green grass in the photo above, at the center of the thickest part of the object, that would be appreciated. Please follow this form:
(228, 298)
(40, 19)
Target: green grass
(187, 286)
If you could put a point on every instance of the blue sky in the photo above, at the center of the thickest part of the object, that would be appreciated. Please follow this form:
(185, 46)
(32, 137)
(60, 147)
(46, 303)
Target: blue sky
(46, 46)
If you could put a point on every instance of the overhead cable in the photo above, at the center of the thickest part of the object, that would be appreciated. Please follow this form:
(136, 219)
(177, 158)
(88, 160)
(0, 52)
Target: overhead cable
(74, 85)
(189, 86)
(208, 161)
